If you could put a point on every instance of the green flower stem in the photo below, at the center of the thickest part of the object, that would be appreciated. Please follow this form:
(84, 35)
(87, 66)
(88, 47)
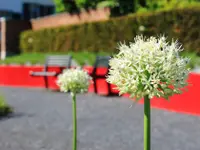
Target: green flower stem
(74, 121)
(147, 123)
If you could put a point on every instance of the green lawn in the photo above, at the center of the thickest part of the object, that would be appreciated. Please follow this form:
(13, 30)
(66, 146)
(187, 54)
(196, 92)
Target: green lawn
(33, 58)
(79, 57)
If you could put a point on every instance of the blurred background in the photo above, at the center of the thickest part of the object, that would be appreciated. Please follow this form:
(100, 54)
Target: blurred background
(32, 29)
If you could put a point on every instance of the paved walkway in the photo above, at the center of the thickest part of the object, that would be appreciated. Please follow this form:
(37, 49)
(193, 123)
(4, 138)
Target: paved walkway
(42, 121)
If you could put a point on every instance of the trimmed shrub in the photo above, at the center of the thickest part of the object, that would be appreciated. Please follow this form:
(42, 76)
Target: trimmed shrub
(103, 36)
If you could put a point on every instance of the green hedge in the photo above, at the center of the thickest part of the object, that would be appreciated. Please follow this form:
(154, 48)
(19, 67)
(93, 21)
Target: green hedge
(182, 24)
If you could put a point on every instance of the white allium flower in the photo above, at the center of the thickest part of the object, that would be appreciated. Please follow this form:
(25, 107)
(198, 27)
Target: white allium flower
(149, 66)
(74, 80)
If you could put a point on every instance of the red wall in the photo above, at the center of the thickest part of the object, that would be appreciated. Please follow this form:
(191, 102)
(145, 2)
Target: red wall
(188, 102)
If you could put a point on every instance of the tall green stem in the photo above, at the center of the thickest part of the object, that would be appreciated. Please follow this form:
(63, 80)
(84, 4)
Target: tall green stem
(74, 121)
(147, 124)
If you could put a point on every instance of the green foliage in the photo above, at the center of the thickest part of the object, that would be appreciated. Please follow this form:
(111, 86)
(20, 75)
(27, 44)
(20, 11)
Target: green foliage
(108, 3)
(127, 6)
(77, 5)
(60, 6)
(182, 24)
(82, 3)
(85, 4)
(5, 109)
(132, 6)
(122, 7)
(65, 6)
(155, 5)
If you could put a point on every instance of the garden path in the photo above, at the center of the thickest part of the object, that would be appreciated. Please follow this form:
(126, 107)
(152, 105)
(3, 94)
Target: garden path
(42, 121)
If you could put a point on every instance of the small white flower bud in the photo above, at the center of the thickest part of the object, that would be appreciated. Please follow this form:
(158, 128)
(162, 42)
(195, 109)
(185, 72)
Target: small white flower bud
(74, 80)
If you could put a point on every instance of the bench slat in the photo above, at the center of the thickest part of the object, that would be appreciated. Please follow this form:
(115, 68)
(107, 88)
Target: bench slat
(102, 61)
(59, 60)
(58, 63)
(43, 74)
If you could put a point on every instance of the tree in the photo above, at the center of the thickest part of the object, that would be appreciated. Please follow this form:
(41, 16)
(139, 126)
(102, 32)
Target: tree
(65, 6)
(86, 4)
(108, 3)
(60, 6)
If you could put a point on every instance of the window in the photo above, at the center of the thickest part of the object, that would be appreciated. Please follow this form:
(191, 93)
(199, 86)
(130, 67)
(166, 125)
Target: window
(34, 10)
(9, 15)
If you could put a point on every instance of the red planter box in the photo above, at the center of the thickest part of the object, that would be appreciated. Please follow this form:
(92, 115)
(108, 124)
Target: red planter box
(188, 102)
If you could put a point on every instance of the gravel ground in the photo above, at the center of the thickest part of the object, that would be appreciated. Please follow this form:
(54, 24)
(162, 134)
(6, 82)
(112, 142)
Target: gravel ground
(42, 121)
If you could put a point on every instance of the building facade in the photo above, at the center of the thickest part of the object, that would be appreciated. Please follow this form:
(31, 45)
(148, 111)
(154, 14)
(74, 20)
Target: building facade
(26, 9)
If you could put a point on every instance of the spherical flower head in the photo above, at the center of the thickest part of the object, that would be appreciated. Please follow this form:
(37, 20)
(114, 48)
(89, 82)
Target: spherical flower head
(74, 80)
(149, 66)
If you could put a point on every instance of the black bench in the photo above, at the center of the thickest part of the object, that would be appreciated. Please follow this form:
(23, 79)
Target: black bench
(101, 61)
(62, 62)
